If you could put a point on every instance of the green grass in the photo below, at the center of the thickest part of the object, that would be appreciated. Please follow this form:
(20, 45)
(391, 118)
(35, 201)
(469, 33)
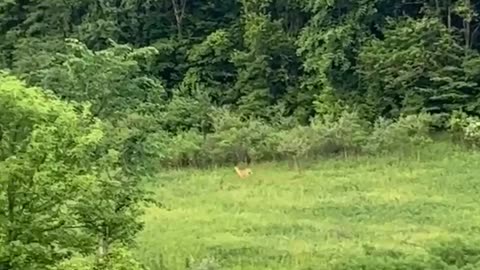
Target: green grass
(280, 219)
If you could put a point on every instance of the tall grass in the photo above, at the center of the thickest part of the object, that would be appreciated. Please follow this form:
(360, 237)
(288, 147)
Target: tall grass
(391, 211)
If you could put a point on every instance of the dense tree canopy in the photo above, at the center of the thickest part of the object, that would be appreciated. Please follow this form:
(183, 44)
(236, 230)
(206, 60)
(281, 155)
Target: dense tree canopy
(257, 57)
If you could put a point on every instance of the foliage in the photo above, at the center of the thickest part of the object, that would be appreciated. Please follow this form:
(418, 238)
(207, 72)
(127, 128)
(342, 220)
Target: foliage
(237, 140)
(46, 164)
(57, 195)
(118, 259)
(178, 83)
(295, 143)
(417, 66)
(119, 88)
(379, 57)
(408, 133)
(346, 134)
(466, 128)
(129, 101)
(267, 66)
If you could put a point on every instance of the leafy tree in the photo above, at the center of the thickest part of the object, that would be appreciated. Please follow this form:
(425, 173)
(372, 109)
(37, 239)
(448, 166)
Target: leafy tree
(418, 66)
(120, 94)
(329, 47)
(296, 144)
(211, 70)
(57, 192)
(347, 133)
(267, 66)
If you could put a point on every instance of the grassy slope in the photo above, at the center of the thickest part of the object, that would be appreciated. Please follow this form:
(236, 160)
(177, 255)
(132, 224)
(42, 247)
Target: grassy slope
(279, 219)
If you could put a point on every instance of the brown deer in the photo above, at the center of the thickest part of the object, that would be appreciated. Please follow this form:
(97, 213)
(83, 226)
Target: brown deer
(243, 173)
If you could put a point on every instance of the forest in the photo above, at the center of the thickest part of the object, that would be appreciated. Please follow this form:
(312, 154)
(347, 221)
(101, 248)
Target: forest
(98, 96)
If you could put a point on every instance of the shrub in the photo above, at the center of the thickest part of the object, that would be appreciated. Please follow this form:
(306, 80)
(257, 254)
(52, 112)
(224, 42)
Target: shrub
(119, 258)
(295, 143)
(237, 140)
(160, 146)
(186, 148)
(465, 128)
(383, 137)
(262, 140)
(229, 137)
(472, 131)
(407, 133)
(457, 124)
(346, 134)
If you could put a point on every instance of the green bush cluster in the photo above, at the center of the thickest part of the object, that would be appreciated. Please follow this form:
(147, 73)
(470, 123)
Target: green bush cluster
(119, 258)
(237, 140)
(465, 128)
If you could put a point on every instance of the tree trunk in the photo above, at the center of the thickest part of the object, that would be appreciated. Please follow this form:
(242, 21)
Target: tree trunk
(103, 244)
(449, 17)
(179, 12)
(437, 7)
(466, 26)
(295, 163)
(11, 202)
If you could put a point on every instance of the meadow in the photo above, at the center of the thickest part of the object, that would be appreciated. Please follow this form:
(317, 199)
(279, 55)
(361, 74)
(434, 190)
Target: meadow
(334, 214)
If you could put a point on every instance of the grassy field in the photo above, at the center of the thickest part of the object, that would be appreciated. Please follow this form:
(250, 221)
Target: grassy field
(280, 219)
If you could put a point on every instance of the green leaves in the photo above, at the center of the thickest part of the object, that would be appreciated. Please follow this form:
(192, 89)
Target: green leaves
(119, 259)
(45, 161)
(267, 66)
(120, 94)
(415, 67)
(57, 189)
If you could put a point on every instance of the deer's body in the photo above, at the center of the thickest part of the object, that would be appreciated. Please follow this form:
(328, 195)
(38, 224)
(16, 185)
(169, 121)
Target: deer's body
(243, 173)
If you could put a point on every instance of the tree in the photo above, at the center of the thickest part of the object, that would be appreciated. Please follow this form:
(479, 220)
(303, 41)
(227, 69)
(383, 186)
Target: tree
(56, 184)
(267, 65)
(115, 82)
(329, 46)
(416, 67)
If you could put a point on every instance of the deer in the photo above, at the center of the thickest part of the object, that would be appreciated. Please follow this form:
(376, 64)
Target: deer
(243, 173)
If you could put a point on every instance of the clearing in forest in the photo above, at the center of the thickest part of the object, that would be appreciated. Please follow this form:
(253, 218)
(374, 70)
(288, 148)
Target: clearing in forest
(280, 219)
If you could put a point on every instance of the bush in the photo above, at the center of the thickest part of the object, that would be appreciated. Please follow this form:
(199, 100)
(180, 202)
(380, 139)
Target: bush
(465, 128)
(186, 148)
(295, 143)
(408, 133)
(237, 140)
(119, 258)
(230, 137)
(472, 131)
(346, 134)
(457, 124)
